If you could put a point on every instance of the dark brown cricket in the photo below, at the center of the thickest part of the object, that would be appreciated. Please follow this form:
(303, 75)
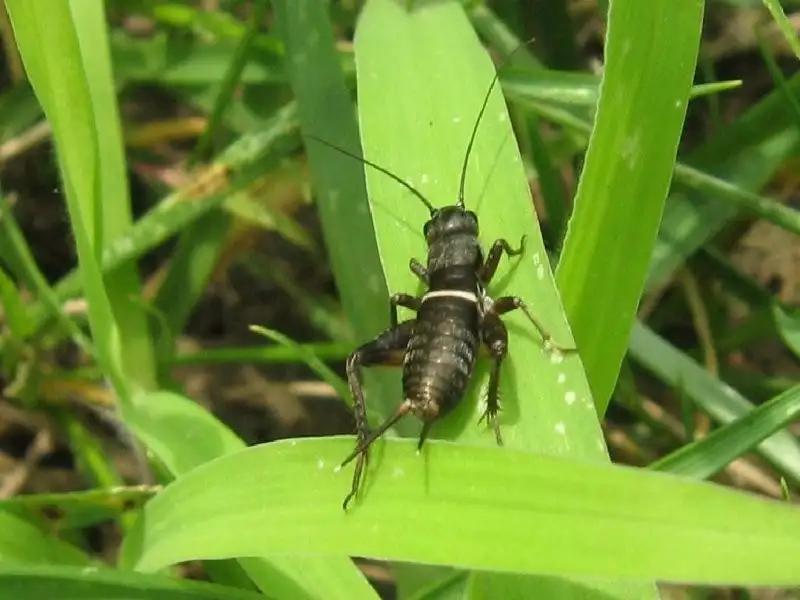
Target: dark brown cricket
(438, 349)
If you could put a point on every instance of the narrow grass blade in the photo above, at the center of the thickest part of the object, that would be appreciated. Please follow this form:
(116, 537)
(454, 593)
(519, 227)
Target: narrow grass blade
(722, 402)
(74, 510)
(311, 360)
(34, 583)
(706, 457)
(631, 524)
(626, 177)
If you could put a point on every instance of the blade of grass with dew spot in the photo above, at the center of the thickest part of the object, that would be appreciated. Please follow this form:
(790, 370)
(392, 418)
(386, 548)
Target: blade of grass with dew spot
(420, 132)
(36, 582)
(326, 111)
(626, 177)
(543, 522)
(723, 403)
(704, 458)
(22, 542)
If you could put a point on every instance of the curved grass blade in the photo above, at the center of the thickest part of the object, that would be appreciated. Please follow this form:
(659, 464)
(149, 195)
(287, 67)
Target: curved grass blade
(626, 177)
(706, 457)
(553, 516)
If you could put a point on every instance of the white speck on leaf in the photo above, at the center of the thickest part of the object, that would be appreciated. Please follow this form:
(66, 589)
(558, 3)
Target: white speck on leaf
(556, 357)
(456, 120)
(540, 272)
(320, 464)
(570, 398)
(503, 117)
(561, 428)
(537, 260)
(562, 377)
(424, 178)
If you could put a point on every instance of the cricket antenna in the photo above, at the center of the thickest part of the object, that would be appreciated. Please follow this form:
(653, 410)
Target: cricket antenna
(377, 167)
(478, 120)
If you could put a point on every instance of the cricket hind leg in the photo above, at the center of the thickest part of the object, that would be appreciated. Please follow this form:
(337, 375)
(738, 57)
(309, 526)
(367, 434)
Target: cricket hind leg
(387, 350)
(495, 337)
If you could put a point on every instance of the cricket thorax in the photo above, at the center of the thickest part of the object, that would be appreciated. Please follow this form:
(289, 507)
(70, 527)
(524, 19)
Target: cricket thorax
(452, 236)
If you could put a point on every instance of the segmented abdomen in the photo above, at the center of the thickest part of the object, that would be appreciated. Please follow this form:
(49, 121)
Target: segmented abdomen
(441, 355)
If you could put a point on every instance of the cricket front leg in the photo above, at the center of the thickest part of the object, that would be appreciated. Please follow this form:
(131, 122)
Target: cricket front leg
(495, 337)
(489, 267)
(405, 300)
(385, 350)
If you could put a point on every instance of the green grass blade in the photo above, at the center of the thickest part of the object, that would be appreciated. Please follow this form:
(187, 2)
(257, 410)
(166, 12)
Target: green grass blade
(325, 110)
(184, 435)
(423, 141)
(276, 354)
(706, 457)
(554, 516)
(721, 402)
(21, 543)
(626, 177)
(307, 356)
(73, 510)
(34, 583)
(786, 27)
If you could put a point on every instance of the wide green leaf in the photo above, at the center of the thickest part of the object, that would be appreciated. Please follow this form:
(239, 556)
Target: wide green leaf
(489, 508)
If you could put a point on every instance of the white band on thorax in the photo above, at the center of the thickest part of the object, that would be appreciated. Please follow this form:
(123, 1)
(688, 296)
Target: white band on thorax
(469, 296)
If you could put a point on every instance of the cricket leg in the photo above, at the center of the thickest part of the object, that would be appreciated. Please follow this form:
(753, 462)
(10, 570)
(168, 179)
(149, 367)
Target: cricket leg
(489, 267)
(401, 299)
(385, 350)
(495, 337)
(508, 303)
(418, 269)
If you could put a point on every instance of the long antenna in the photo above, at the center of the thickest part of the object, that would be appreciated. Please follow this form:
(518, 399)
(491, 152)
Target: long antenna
(377, 167)
(478, 120)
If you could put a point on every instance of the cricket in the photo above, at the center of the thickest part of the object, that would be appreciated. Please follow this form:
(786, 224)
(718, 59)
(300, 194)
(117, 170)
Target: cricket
(438, 349)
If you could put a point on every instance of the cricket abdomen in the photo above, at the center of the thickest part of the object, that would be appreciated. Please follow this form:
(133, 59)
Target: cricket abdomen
(440, 356)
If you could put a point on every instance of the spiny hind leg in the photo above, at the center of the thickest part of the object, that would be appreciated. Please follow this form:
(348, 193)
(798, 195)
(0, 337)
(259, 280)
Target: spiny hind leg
(509, 303)
(385, 350)
(495, 337)
(489, 266)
